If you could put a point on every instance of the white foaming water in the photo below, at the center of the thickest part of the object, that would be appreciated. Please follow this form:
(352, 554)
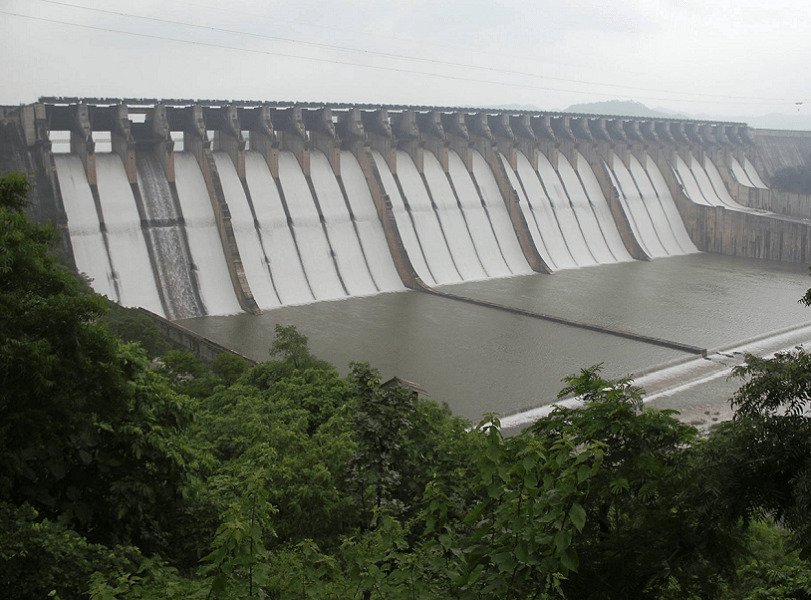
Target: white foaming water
(502, 225)
(344, 239)
(404, 224)
(689, 182)
(426, 223)
(128, 252)
(312, 242)
(718, 183)
(83, 224)
(372, 238)
(650, 199)
(739, 173)
(709, 192)
(579, 200)
(275, 234)
(478, 221)
(165, 234)
(204, 240)
(530, 216)
(602, 211)
(669, 206)
(569, 224)
(452, 221)
(635, 210)
(247, 238)
(754, 177)
(551, 231)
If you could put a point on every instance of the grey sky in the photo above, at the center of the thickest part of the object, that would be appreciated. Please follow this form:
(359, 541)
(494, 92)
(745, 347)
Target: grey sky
(743, 48)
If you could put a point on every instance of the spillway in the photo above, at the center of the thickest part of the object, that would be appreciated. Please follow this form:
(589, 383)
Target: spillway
(746, 174)
(636, 208)
(128, 251)
(601, 210)
(709, 191)
(477, 219)
(452, 221)
(317, 252)
(497, 213)
(294, 203)
(674, 219)
(406, 221)
(89, 250)
(165, 234)
(574, 232)
(754, 177)
(206, 249)
(541, 218)
(370, 231)
(586, 218)
(717, 183)
(255, 259)
(689, 182)
(343, 234)
(703, 184)
(653, 203)
(427, 226)
(273, 237)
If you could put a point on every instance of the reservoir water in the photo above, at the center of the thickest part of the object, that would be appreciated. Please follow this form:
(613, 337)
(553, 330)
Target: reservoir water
(480, 359)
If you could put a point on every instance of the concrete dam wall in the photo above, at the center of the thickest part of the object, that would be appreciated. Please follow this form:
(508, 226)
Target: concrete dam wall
(193, 208)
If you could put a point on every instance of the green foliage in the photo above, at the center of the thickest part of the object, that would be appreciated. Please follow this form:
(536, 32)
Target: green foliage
(38, 557)
(89, 435)
(236, 566)
(773, 569)
(647, 525)
(518, 538)
(762, 460)
(131, 325)
(381, 423)
(14, 188)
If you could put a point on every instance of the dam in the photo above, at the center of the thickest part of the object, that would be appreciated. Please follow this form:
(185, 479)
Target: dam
(483, 253)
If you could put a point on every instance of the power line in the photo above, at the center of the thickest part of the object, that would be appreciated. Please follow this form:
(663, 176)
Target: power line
(387, 35)
(403, 57)
(355, 64)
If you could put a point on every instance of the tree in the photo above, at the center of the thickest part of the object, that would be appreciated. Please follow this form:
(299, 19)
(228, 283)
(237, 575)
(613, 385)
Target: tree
(647, 524)
(762, 459)
(88, 434)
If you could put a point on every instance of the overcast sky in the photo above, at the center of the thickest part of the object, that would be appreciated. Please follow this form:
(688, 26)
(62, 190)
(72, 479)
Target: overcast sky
(710, 57)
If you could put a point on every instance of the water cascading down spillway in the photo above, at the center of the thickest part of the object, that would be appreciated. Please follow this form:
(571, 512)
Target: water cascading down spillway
(165, 234)
(454, 225)
(567, 214)
(649, 206)
(303, 241)
(303, 216)
(84, 225)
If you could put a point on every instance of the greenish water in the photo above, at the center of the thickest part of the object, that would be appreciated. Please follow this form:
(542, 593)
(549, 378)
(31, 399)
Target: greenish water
(705, 300)
(480, 360)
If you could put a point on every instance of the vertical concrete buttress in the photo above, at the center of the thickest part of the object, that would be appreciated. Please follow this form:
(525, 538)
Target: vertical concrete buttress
(481, 136)
(47, 204)
(195, 141)
(381, 132)
(600, 155)
(81, 141)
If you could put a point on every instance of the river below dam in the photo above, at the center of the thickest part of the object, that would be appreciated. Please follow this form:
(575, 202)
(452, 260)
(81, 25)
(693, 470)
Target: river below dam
(481, 359)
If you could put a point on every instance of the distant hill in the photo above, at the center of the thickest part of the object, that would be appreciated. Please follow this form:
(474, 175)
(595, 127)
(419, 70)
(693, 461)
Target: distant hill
(630, 108)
